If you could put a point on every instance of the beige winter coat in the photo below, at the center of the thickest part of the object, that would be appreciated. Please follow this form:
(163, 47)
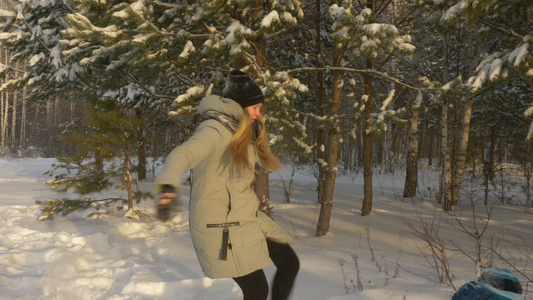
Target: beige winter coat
(220, 196)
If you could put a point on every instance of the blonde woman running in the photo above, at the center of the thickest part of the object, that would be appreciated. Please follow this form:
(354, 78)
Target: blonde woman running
(232, 238)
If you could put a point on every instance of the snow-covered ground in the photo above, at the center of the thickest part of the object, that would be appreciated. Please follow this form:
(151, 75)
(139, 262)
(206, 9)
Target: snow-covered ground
(372, 257)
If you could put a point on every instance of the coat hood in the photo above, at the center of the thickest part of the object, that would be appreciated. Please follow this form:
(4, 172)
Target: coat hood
(223, 105)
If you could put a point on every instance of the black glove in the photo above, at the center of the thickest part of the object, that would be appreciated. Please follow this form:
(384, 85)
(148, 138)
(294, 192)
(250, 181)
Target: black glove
(167, 203)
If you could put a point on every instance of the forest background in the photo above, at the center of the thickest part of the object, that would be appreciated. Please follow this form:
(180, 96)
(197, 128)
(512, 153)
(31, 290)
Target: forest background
(109, 87)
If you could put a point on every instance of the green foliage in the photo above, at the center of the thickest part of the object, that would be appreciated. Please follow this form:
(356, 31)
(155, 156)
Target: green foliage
(105, 149)
(52, 207)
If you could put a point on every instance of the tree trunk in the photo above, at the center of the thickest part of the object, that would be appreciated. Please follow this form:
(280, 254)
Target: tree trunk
(326, 202)
(262, 182)
(320, 152)
(444, 194)
(141, 150)
(367, 145)
(141, 156)
(12, 139)
(390, 152)
(127, 166)
(462, 136)
(527, 174)
(2, 121)
(445, 179)
(460, 154)
(488, 163)
(411, 176)
(367, 136)
(22, 136)
(6, 120)
(430, 146)
(98, 159)
(3, 104)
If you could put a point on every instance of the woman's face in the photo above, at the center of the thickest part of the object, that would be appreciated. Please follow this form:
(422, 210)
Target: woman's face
(254, 111)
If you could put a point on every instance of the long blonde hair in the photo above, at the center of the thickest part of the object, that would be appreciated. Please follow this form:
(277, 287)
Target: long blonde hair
(238, 146)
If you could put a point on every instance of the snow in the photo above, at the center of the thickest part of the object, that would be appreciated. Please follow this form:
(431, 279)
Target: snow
(453, 11)
(121, 14)
(372, 257)
(341, 34)
(36, 58)
(141, 39)
(289, 18)
(366, 12)
(490, 68)
(418, 100)
(518, 55)
(272, 17)
(529, 136)
(406, 47)
(303, 145)
(74, 69)
(529, 112)
(336, 12)
(495, 69)
(187, 49)
(234, 29)
(55, 54)
(376, 28)
(234, 38)
(191, 92)
(138, 6)
(35, 79)
(61, 72)
(7, 13)
(388, 100)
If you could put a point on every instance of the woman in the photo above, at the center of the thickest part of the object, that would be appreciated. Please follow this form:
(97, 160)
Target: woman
(231, 237)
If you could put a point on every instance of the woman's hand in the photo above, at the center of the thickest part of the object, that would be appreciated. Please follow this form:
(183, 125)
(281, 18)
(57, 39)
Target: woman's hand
(167, 203)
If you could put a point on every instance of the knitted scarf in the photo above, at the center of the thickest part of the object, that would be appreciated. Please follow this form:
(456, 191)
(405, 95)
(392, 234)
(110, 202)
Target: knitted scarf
(228, 121)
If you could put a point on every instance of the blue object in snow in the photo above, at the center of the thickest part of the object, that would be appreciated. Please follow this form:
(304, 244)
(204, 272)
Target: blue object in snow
(493, 284)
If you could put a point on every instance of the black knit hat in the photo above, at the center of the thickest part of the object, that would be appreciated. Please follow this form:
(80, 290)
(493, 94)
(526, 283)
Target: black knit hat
(242, 89)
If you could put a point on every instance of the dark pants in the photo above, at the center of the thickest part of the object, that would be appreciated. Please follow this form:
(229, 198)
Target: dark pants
(254, 286)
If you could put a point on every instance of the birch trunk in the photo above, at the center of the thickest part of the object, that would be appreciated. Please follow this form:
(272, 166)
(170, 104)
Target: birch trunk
(445, 178)
(411, 176)
(444, 194)
(527, 174)
(14, 119)
(391, 139)
(5, 121)
(460, 154)
(4, 99)
(22, 136)
(2, 122)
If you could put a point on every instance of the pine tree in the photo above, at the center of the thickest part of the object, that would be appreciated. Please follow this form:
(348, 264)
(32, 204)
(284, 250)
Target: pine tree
(486, 44)
(104, 161)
